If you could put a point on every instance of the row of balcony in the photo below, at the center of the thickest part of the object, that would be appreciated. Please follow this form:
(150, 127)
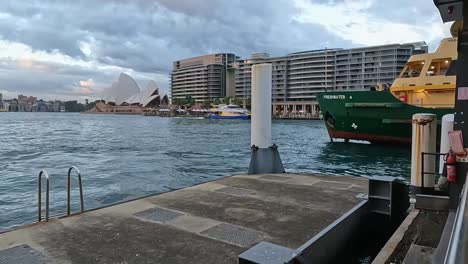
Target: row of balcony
(376, 52)
(383, 60)
(379, 69)
(196, 83)
(309, 80)
(195, 76)
(329, 60)
(182, 86)
(322, 56)
(191, 91)
(198, 77)
(310, 66)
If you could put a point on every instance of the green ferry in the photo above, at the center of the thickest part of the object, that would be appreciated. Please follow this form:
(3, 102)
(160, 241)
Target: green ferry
(425, 85)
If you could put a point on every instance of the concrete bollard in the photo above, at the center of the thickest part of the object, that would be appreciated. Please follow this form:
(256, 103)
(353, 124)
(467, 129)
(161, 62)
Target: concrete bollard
(265, 156)
(447, 126)
(261, 106)
(424, 140)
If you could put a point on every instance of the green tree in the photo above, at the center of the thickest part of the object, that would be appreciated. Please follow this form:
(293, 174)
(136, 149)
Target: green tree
(238, 101)
(73, 106)
(226, 100)
(207, 104)
(189, 101)
(90, 105)
(216, 101)
(178, 101)
(248, 102)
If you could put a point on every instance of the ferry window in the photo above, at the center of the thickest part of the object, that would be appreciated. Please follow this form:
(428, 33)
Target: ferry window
(412, 69)
(439, 67)
(452, 70)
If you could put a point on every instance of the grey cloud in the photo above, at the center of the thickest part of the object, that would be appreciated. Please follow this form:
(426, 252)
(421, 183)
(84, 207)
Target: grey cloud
(147, 36)
(44, 79)
(52, 80)
(417, 13)
(161, 31)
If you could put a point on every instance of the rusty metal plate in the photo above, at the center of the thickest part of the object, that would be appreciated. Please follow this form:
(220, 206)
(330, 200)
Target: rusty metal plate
(233, 234)
(158, 215)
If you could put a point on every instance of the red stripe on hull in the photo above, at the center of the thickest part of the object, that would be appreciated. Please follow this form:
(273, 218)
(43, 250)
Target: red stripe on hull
(369, 137)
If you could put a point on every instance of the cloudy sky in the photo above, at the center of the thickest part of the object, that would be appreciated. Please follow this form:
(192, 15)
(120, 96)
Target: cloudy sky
(61, 49)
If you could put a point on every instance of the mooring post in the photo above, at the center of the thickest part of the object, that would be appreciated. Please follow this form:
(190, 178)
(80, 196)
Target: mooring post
(265, 157)
(424, 140)
(447, 126)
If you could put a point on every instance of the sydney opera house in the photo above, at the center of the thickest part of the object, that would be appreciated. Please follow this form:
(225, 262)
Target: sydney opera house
(124, 96)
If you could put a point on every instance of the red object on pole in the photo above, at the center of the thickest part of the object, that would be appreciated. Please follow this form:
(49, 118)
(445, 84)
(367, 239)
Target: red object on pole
(451, 169)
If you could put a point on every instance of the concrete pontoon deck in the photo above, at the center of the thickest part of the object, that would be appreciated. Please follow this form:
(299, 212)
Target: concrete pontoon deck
(209, 223)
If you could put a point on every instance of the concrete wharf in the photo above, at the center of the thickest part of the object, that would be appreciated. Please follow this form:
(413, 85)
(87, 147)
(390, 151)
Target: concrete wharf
(212, 222)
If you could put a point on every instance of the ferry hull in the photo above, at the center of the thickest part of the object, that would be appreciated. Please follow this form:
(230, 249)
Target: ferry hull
(239, 117)
(372, 116)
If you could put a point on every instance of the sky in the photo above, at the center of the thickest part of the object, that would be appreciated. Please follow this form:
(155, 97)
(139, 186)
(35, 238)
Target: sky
(61, 49)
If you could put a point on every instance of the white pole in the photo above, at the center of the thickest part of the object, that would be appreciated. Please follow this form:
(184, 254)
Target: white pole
(424, 140)
(261, 105)
(447, 126)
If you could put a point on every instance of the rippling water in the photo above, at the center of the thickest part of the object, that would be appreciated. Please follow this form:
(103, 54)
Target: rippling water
(124, 157)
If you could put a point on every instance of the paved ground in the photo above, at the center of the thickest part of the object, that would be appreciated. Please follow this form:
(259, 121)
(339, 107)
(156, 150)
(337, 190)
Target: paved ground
(208, 223)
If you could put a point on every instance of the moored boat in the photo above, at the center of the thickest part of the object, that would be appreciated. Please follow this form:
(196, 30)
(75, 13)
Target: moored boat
(425, 85)
(229, 112)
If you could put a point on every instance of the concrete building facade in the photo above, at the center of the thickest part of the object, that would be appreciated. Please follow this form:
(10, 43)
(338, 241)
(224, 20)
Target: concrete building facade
(203, 78)
(297, 77)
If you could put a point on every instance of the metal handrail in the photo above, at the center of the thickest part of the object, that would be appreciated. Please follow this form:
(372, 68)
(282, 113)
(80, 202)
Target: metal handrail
(458, 246)
(39, 195)
(69, 189)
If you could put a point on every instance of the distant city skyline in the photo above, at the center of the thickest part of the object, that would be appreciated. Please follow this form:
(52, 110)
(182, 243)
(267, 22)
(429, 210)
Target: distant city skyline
(41, 55)
(17, 96)
(27, 103)
(12, 96)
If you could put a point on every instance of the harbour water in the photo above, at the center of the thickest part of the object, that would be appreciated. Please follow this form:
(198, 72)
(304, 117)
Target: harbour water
(125, 157)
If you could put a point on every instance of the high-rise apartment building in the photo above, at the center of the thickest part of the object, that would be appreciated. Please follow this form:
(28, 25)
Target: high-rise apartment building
(204, 78)
(297, 77)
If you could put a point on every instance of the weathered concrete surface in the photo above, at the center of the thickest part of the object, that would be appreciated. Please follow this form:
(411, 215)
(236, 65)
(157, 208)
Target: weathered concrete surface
(286, 210)
(424, 231)
(396, 238)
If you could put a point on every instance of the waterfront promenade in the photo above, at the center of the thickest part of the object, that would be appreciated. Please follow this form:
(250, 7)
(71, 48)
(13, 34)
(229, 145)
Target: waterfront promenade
(209, 223)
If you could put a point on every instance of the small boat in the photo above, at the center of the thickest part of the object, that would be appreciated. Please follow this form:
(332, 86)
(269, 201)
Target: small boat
(230, 111)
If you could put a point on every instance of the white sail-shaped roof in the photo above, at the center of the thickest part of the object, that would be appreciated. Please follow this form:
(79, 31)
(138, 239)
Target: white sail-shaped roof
(150, 94)
(124, 88)
(165, 100)
(146, 96)
(151, 89)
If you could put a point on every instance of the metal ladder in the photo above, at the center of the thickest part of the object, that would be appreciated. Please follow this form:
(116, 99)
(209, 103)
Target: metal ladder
(39, 193)
(69, 189)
